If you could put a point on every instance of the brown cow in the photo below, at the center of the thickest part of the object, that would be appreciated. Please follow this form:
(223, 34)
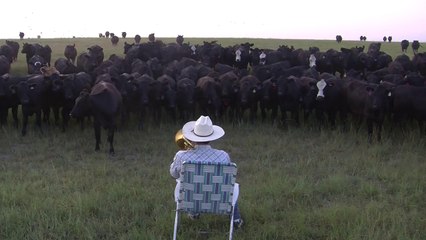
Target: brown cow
(70, 53)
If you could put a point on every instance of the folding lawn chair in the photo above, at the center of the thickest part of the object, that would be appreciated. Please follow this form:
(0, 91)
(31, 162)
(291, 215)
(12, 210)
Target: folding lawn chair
(206, 188)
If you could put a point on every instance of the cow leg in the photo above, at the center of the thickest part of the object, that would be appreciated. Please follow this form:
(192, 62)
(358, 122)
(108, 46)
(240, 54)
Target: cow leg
(263, 112)
(15, 116)
(141, 119)
(111, 140)
(97, 127)
(274, 113)
(379, 131)
(320, 118)
(3, 116)
(370, 130)
(295, 116)
(24, 123)
(65, 118)
(332, 119)
(420, 123)
(56, 115)
(46, 115)
(38, 120)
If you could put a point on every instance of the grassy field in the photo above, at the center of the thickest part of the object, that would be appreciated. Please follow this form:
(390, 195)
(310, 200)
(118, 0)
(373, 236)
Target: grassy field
(296, 184)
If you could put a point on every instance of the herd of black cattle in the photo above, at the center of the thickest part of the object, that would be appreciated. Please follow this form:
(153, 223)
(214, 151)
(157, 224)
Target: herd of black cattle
(175, 82)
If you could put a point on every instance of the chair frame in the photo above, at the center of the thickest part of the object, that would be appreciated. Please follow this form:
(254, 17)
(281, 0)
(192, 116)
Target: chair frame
(206, 187)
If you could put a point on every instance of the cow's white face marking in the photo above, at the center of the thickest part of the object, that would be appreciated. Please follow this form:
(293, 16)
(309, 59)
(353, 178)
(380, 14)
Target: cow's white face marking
(262, 58)
(312, 60)
(321, 85)
(238, 55)
(193, 48)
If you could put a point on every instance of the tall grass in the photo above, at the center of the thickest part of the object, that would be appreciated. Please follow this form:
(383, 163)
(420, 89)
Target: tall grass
(298, 183)
(295, 184)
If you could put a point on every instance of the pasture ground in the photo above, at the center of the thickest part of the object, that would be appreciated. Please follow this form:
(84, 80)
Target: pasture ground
(299, 183)
(295, 184)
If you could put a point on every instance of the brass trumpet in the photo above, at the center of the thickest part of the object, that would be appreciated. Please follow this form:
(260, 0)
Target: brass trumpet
(182, 142)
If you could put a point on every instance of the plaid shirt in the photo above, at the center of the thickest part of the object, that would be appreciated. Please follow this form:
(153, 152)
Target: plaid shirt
(200, 153)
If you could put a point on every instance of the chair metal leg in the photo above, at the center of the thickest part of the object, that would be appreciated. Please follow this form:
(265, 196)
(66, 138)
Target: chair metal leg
(176, 225)
(231, 229)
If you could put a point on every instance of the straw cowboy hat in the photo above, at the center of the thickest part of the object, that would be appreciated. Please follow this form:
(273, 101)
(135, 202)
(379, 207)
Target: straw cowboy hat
(202, 130)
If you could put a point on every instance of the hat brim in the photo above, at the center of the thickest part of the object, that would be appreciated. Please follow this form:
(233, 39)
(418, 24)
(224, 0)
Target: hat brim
(188, 133)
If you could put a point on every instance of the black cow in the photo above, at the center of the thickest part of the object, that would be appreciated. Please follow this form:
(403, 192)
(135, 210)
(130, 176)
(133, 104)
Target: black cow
(35, 63)
(126, 85)
(238, 56)
(4, 65)
(65, 90)
(415, 45)
(210, 53)
(114, 40)
(29, 50)
(339, 38)
(36, 49)
(367, 102)
(142, 100)
(249, 91)
(65, 66)
(137, 38)
(263, 72)
(409, 102)
(185, 102)
(88, 61)
(291, 92)
(329, 100)
(351, 57)
(331, 61)
(405, 62)
(32, 94)
(7, 51)
(404, 45)
(9, 98)
(168, 91)
(15, 49)
(104, 103)
(70, 53)
(269, 99)
(228, 84)
(419, 63)
(208, 97)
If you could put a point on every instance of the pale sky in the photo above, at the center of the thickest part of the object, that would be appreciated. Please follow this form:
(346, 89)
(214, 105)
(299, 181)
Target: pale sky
(297, 19)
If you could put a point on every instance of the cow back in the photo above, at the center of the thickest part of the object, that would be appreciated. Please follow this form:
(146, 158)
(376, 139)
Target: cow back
(105, 98)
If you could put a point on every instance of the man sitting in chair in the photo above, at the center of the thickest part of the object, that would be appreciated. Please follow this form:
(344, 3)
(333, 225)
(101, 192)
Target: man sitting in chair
(200, 133)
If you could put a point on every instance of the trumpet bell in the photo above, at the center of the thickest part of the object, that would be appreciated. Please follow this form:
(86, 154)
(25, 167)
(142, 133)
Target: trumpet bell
(182, 142)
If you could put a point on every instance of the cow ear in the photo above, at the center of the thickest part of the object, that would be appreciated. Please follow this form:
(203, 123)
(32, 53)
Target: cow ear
(236, 88)
(32, 86)
(12, 89)
(369, 89)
